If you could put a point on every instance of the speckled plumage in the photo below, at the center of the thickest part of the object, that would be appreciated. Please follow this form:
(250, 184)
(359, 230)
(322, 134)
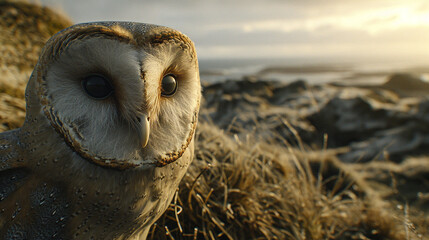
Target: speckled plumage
(74, 171)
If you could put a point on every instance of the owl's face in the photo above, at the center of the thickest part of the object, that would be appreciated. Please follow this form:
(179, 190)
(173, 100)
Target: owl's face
(122, 95)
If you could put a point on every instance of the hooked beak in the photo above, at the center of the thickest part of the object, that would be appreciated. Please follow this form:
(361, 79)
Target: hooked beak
(144, 129)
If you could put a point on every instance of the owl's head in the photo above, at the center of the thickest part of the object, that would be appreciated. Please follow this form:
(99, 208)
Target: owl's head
(122, 95)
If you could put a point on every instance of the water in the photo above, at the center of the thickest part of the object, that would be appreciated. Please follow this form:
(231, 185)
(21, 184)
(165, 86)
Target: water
(314, 70)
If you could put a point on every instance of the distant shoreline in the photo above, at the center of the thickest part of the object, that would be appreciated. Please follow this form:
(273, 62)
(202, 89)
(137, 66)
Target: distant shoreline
(288, 70)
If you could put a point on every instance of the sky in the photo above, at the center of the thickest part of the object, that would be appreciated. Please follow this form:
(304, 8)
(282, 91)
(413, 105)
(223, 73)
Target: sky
(278, 28)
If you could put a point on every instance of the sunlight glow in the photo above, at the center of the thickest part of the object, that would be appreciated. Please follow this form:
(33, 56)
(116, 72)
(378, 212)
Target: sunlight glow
(373, 22)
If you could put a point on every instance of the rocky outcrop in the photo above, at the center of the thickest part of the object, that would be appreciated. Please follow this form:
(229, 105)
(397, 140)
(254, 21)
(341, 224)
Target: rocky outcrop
(271, 110)
(374, 122)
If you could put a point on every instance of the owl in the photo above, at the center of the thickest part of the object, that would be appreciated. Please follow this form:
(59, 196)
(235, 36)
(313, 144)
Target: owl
(111, 112)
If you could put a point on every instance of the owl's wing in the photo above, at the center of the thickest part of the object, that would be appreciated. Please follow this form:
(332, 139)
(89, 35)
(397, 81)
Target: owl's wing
(14, 176)
(30, 208)
(10, 152)
(12, 171)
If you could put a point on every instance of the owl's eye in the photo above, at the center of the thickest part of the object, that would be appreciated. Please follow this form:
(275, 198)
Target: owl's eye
(97, 86)
(168, 85)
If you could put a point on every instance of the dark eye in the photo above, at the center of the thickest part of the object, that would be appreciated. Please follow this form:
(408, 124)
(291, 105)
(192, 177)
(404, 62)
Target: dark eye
(168, 85)
(97, 86)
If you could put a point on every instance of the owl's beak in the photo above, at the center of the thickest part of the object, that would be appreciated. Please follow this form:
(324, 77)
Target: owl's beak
(144, 130)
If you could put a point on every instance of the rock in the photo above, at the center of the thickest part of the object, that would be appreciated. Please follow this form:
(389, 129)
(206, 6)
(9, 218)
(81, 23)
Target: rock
(248, 85)
(407, 85)
(236, 105)
(291, 91)
(350, 120)
(423, 110)
(242, 106)
(394, 144)
(374, 125)
(230, 87)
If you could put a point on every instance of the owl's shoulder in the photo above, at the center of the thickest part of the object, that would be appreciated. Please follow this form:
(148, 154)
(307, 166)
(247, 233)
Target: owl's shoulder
(10, 153)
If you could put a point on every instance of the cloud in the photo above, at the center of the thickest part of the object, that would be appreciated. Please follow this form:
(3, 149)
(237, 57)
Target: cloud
(226, 28)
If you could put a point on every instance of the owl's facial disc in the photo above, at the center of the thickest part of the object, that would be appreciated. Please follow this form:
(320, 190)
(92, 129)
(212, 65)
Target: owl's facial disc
(122, 104)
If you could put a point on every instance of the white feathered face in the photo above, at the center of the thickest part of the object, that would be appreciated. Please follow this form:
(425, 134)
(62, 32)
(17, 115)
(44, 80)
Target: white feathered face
(122, 102)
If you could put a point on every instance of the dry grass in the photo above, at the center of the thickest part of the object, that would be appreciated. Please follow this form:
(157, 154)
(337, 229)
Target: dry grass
(248, 189)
